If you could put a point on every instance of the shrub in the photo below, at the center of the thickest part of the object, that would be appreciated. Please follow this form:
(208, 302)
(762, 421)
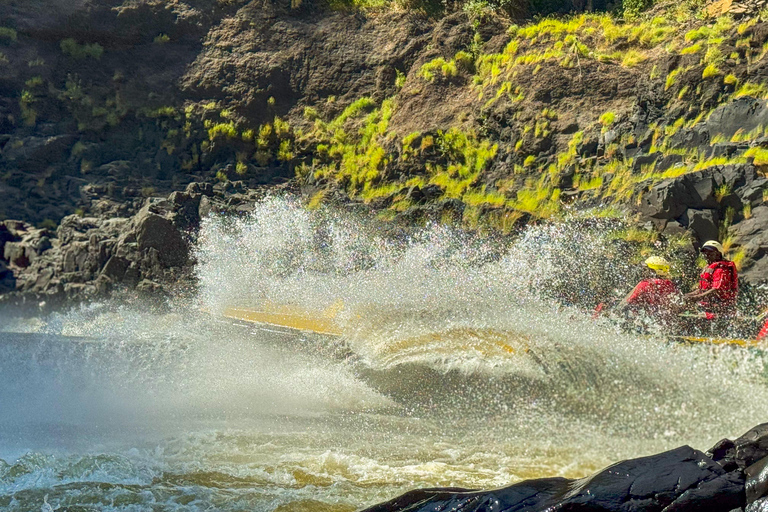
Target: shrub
(441, 67)
(710, 71)
(71, 48)
(760, 155)
(7, 34)
(632, 58)
(752, 89)
(671, 78)
(632, 8)
(162, 39)
(399, 79)
(607, 119)
(465, 61)
(310, 113)
(690, 50)
(225, 130)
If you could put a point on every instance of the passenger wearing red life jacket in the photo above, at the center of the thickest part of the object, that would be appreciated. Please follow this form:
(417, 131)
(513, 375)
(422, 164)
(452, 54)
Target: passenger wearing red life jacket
(718, 283)
(656, 294)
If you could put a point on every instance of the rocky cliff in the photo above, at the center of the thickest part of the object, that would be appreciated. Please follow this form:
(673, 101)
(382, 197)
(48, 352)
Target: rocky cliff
(470, 117)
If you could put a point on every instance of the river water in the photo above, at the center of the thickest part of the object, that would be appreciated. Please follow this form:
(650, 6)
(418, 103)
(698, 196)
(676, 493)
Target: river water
(455, 369)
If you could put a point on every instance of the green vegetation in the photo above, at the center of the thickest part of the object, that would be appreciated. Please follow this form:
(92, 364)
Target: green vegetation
(438, 67)
(759, 155)
(71, 48)
(28, 114)
(710, 71)
(7, 35)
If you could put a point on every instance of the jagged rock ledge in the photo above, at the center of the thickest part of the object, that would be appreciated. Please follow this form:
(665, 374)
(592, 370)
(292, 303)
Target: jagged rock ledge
(143, 246)
(732, 476)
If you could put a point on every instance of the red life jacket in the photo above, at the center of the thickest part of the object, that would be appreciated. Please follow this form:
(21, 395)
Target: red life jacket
(763, 332)
(653, 292)
(722, 276)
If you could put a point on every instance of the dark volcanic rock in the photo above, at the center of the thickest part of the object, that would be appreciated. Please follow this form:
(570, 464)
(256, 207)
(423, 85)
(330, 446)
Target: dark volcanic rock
(702, 222)
(156, 232)
(669, 199)
(677, 480)
(732, 476)
(89, 256)
(743, 114)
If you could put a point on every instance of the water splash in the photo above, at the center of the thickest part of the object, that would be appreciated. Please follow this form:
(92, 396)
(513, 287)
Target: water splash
(459, 368)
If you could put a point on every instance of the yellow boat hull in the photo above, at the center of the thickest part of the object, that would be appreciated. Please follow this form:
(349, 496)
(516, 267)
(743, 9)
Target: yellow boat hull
(325, 323)
(719, 341)
(287, 318)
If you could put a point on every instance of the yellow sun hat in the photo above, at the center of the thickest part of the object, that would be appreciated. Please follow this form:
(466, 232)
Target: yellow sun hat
(658, 265)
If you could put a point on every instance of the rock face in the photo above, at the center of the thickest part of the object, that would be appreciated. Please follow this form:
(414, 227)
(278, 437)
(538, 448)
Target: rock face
(732, 476)
(729, 196)
(145, 246)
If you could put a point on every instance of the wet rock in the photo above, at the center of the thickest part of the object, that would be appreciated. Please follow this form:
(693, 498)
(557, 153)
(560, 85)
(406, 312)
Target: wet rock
(666, 200)
(751, 235)
(678, 480)
(749, 448)
(760, 505)
(757, 480)
(670, 198)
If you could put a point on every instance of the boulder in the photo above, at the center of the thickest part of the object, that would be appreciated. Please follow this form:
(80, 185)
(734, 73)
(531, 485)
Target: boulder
(668, 162)
(34, 152)
(751, 233)
(677, 480)
(703, 223)
(753, 192)
(115, 268)
(756, 485)
(687, 138)
(17, 254)
(75, 257)
(641, 161)
(157, 232)
(744, 451)
(666, 200)
(760, 505)
(742, 114)
(670, 198)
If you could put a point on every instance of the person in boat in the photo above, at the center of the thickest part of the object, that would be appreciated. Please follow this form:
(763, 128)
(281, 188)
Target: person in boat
(655, 296)
(718, 284)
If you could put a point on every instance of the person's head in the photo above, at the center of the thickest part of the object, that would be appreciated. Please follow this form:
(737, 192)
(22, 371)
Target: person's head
(658, 265)
(712, 251)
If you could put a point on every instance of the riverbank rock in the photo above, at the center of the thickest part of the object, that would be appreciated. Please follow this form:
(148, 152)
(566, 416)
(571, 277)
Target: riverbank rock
(732, 476)
(147, 251)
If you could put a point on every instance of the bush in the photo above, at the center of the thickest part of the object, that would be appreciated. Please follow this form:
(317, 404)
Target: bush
(7, 34)
(71, 48)
(632, 8)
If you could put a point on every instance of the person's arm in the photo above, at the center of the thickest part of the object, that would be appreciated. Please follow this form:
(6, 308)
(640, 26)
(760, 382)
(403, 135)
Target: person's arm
(633, 295)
